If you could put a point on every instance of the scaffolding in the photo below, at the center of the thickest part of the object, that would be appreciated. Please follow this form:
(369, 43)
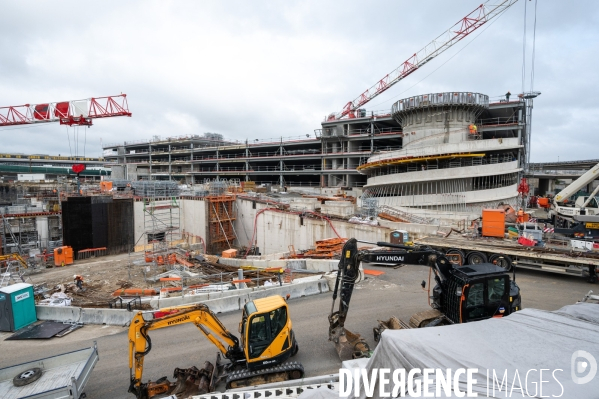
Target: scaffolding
(20, 235)
(155, 188)
(162, 231)
(221, 217)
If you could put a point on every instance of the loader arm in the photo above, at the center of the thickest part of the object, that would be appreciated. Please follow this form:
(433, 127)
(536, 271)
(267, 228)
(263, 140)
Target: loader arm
(15, 257)
(200, 315)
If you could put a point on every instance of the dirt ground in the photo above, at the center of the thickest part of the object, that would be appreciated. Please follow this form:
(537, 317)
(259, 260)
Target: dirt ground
(101, 277)
(104, 275)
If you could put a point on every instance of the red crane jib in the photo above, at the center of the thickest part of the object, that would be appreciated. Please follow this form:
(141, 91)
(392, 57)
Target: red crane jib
(80, 112)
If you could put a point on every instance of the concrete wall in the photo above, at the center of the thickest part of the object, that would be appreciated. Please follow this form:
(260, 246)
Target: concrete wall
(194, 217)
(276, 231)
(117, 172)
(342, 209)
(192, 214)
(138, 223)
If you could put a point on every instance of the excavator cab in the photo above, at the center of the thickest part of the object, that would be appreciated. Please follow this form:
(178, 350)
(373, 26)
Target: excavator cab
(267, 336)
(478, 292)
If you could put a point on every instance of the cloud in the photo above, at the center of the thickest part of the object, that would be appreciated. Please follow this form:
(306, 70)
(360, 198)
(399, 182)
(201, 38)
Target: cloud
(274, 69)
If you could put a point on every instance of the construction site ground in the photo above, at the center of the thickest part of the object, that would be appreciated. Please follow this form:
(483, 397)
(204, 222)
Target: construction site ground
(104, 275)
(101, 278)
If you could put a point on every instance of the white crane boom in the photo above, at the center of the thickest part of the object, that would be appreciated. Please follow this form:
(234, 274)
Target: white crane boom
(477, 18)
(577, 184)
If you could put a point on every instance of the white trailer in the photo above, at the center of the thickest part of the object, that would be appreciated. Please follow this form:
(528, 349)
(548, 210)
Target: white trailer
(57, 377)
(506, 254)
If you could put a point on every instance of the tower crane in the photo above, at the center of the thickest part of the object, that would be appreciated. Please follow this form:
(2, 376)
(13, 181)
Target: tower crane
(477, 18)
(77, 112)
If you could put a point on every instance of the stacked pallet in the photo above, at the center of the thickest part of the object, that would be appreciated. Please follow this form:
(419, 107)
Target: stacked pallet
(326, 249)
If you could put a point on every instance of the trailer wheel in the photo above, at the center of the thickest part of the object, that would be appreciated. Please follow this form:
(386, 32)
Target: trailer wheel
(455, 251)
(475, 258)
(27, 377)
(503, 261)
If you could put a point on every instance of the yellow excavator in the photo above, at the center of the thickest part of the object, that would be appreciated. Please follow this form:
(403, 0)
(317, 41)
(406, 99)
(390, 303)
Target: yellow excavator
(267, 341)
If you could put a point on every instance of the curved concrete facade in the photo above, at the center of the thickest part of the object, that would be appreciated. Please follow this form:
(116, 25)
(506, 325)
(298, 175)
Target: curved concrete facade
(430, 119)
(442, 167)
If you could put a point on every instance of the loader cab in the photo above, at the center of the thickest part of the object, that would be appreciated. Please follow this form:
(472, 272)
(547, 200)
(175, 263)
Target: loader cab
(478, 292)
(267, 337)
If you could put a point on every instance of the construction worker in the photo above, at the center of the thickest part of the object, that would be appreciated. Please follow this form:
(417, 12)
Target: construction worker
(78, 280)
(473, 128)
(507, 96)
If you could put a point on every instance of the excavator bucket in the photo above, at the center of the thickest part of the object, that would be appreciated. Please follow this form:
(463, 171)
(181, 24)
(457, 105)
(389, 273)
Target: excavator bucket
(350, 345)
(189, 382)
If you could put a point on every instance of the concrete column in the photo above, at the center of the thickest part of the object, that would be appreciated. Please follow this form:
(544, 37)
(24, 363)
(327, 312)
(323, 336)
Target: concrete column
(150, 160)
(41, 225)
(240, 277)
(247, 161)
(169, 163)
(191, 165)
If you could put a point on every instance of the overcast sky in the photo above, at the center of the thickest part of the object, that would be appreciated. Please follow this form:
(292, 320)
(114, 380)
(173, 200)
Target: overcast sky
(262, 69)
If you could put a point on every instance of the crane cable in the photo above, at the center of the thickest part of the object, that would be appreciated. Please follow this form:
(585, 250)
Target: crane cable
(69, 140)
(534, 39)
(524, 51)
(440, 66)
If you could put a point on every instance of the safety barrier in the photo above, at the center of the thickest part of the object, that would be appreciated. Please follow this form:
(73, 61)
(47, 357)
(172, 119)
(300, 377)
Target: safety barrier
(72, 314)
(219, 302)
(91, 253)
(283, 391)
(227, 301)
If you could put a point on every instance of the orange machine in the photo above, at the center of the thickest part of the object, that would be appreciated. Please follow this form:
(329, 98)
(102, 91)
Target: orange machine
(105, 186)
(493, 223)
(544, 203)
(63, 256)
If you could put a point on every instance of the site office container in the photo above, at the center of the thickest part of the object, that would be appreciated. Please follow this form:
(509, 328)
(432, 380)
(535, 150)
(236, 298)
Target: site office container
(63, 256)
(17, 307)
(493, 223)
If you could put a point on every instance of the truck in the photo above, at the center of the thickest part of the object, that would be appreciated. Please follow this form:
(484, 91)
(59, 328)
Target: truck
(57, 377)
(507, 255)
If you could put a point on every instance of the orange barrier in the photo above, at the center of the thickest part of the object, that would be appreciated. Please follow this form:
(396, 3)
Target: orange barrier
(373, 272)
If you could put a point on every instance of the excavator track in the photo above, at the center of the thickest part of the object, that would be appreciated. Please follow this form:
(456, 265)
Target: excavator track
(282, 372)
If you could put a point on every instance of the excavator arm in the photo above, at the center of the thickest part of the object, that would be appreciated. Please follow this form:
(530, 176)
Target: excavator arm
(350, 345)
(140, 343)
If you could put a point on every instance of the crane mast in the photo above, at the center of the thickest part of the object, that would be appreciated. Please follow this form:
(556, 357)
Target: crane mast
(77, 112)
(477, 18)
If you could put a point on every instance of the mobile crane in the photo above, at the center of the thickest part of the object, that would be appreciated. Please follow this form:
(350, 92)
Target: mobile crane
(462, 293)
(267, 341)
(564, 214)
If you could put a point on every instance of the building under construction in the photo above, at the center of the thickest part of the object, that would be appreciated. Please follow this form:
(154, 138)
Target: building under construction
(328, 157)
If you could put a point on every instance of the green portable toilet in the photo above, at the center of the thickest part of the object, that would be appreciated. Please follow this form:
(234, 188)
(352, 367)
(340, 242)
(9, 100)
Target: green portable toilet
(17, 307)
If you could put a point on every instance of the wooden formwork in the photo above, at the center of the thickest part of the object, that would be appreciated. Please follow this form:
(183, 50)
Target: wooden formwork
(221, 216)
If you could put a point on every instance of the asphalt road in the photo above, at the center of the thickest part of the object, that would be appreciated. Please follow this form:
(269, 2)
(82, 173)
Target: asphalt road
(397, 292)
